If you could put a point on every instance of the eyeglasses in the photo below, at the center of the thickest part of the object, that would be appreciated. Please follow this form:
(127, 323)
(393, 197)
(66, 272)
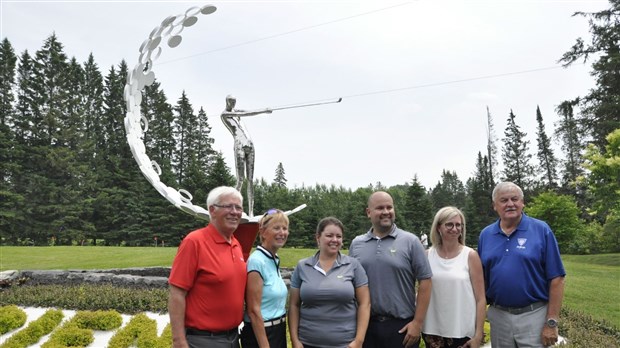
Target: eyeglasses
(230, 207)
(451, 225)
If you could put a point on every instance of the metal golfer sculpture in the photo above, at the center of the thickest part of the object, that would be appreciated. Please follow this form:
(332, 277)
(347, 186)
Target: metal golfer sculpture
(136, 125)
(243, 145)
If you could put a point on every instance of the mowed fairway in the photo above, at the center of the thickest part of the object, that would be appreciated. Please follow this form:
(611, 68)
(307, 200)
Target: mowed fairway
(75, 257)
(592, 284)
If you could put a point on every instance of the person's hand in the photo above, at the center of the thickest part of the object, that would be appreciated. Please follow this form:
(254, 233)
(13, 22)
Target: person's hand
(549, 336)
(355, 344)
(297, 344)
(182, 343)
(412, 333)
(472, 343)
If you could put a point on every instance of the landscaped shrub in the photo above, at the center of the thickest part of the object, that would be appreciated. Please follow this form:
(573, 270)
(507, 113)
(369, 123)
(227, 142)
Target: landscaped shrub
(78, 332)
(581, 330)
(98, 320)
(35, 330)
(70, 335)
(11, 317)
(88, 297)
(141, 331)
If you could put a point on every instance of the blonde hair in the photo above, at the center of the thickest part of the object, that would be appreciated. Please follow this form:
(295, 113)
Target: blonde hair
(442, 215)
(268, 219)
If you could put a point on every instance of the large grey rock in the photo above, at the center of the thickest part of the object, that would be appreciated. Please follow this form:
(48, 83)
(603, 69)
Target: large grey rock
(148, 277)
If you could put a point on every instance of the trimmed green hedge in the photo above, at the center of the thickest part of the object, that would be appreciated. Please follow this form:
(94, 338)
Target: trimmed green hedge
(88, 297)
(35, 330)
(141, 331)
(11, 317)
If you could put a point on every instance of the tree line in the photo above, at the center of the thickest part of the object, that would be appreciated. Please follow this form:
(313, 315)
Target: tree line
(68, 176)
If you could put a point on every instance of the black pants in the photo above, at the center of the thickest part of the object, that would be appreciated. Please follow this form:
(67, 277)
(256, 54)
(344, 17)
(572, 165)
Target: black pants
(276, 335)
(381, 334)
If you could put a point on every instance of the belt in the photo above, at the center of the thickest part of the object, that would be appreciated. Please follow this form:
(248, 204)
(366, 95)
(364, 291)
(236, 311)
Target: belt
(382, 318)
(195, 332)
(275, 322)
(520, 310)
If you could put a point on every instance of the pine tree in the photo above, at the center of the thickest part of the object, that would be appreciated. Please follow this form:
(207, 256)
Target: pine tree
(184, 135)
(220, 174)
(448, 192)
(516, 156)
(120, 215)
(204, 142)
(419, 208)
(9, 168)
(49, 165)
(280, 179)
(600, 107)
(546, 157)
(478, 208)
(568, 131)
(22, 130)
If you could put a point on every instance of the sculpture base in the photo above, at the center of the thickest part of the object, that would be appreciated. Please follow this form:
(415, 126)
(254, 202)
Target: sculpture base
(246, 235)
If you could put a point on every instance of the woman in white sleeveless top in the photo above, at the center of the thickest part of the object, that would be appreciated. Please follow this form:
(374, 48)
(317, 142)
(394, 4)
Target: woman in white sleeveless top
(456, 312)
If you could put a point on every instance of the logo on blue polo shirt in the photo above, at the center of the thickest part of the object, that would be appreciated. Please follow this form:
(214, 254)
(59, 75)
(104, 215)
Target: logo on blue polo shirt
(521, 242)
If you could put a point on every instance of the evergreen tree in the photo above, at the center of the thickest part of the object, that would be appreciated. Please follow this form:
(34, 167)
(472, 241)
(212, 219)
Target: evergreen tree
(49, 165)
(601, 106)
(448, 192)
(516, 156)
(8, 166)
(8, 62)
(120, 215)
(419, 208)
(184, 125)
(478, 207)
(204, 141)
(22, 132)
(92, 94)
(568, 131)
(220, 174)
(280, 179)
(546, 157)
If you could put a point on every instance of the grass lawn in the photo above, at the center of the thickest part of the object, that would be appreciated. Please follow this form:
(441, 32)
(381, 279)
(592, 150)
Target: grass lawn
(592, 284)
(89, 257)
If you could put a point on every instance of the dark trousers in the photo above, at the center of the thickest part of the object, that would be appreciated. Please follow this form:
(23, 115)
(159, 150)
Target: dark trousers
(276, 335)
(381, 334)
(220, 341)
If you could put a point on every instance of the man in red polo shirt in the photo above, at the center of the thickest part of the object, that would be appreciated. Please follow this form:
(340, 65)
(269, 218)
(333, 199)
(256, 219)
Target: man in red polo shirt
(208, 276)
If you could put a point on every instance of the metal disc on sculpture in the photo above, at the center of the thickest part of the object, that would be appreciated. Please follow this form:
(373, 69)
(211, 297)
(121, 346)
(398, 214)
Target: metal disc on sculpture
(174, 41)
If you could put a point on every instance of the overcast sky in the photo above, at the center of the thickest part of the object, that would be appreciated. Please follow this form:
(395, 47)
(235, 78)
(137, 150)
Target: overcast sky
(415, 77)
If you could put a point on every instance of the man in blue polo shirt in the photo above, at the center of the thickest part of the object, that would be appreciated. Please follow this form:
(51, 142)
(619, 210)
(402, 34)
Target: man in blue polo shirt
(523, 273)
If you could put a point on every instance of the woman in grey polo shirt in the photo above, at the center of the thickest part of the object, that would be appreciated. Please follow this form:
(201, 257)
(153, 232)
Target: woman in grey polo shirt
(329, 301)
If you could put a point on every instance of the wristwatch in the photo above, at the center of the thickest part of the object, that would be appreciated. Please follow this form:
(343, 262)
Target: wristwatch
(552, 322)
